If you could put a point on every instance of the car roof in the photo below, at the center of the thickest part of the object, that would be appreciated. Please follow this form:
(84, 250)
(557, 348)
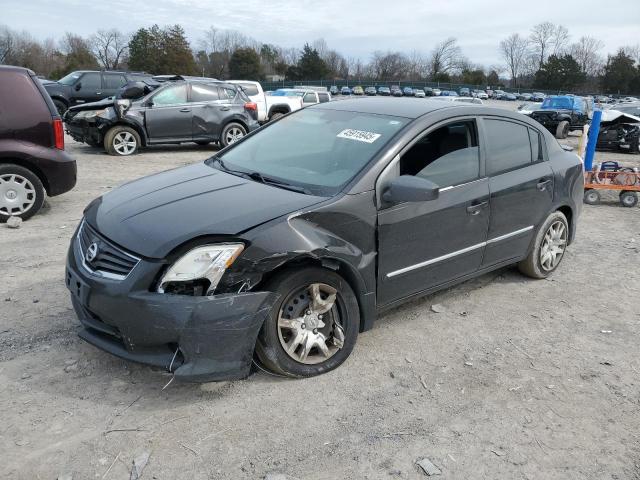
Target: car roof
(11, 68)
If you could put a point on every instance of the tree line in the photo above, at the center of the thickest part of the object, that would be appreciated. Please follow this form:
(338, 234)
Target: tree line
(544, 58)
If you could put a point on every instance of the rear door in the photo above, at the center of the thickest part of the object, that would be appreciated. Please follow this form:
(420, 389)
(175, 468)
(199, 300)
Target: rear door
(521, 186)
(168, 117)
(207, 111)
(111, 83)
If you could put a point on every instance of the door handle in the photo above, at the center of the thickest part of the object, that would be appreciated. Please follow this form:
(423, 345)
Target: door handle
(185, 109)
(542, 184)
(98, 93)
(475, 208)
(225, 108)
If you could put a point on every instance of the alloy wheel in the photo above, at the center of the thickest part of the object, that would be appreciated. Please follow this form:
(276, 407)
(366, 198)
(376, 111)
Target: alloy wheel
(553, 246)
(233, 135)
(309, 326)
(17, 194)
(124, 143)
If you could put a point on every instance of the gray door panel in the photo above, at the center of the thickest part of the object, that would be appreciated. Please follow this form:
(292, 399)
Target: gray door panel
(169, 122)
(422, 245)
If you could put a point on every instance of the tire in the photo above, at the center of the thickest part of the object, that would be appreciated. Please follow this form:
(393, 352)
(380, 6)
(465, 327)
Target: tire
(591, 196)
(61, 107)
(232, 132)
(276, 116)
(121, 141)
(628, 199)
(538, 263)
(18, 183)
(203, 143)
(635, 144)
(289, 322)
(562, 131)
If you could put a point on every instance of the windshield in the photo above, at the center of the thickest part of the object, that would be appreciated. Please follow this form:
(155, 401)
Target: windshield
(70, 79)
(554, 103)
(315, 149)
(287, 93)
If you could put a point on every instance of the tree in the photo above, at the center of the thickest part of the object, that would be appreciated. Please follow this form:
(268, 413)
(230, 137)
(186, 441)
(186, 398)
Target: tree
(161, 51)
(559, 73)
(310, 65)
(474, 76)
(541, 39)
(514, 51)
(493, 78)
(109, 47)
(619, 73)
(178, 57)
(585, 51)
(389, 66)
(445, 57)
(146, 49)
(78, 55)
(245, 64)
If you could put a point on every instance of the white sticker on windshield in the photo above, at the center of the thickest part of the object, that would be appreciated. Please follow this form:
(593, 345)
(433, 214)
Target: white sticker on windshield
(359, 135)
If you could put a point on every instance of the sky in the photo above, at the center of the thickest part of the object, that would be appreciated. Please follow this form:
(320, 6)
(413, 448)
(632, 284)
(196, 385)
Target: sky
(355, 28)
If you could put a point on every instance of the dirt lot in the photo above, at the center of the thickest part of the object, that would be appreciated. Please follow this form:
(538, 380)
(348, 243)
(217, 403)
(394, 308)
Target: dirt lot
(516, 379)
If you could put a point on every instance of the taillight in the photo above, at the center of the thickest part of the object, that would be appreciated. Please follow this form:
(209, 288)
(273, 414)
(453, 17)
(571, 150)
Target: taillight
(58, 134)
(251, 106)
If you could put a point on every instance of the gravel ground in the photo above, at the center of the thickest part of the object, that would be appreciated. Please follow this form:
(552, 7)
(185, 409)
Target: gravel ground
(514, 379)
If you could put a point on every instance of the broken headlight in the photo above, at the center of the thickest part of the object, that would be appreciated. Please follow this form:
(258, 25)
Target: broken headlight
(199, 270)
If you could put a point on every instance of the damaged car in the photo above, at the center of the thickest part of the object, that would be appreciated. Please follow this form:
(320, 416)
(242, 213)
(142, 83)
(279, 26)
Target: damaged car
(283, 247)
(561, 114)
(619, 131)
(188, 110)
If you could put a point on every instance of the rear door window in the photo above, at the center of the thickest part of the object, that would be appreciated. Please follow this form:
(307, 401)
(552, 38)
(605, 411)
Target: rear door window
(91, 81)
(309, 98)
(227, 93)
(508, 146)
(204, 93)
(324, 97)
(114, 82)
(536, 146)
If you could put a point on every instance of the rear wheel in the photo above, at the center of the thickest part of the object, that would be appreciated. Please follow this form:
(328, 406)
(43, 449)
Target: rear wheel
(313, 326)
(548, 248)
(562, 131)
(275, 116)
(121, 141)
(628, 199)
(591, 197)
(231, 133)
(21, 192)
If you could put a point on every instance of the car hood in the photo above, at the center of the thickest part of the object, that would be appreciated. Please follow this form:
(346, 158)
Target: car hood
(99, 105)
(154, 215)
(618, 117)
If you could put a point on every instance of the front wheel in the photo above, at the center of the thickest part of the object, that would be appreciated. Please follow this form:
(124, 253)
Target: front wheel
(231, 133)
(548, 248)
(562, 131)
(121, 141)
(313, 326)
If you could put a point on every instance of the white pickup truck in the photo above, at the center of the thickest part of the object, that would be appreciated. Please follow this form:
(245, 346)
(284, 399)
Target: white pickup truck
(283, 100)
(269, 107)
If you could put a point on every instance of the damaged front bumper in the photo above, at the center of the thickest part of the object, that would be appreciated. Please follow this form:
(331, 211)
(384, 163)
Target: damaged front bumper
(198, 339)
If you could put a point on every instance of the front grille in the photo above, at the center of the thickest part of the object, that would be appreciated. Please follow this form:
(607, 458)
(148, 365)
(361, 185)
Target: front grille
(105, 259)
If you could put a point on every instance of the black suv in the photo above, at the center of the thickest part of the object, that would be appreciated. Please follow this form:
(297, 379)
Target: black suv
(86, 86)
(32, 157)
(193, 110)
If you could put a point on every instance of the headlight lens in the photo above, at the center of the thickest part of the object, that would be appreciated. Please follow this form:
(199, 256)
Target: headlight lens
(202, 263)
(91, 113)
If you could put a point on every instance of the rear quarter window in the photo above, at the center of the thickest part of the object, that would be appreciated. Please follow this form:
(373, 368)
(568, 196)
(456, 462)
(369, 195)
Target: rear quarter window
(508, 146)
(21, 103)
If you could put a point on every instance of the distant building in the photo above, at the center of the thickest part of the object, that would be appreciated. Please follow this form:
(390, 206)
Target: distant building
(274, 78)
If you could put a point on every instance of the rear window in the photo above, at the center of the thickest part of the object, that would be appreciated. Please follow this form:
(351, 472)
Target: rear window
(249, 88)
(21, 103)
(203, 93)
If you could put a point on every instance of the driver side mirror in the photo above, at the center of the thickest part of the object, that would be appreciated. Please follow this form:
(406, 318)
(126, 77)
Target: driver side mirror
(407, 188)
(78, 86)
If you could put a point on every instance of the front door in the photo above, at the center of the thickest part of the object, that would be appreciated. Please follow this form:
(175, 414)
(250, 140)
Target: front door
(423, 245)
(168, 117)
(521, 185)
(88, 88)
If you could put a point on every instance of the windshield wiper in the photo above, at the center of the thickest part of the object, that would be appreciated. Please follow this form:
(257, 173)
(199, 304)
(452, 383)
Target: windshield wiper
(258, 177)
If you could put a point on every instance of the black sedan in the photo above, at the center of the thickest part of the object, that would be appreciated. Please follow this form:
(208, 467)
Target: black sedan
(182, 111)
(283, 253)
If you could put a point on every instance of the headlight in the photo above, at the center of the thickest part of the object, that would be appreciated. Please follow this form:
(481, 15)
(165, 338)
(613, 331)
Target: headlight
(91, 113)
(206, 263)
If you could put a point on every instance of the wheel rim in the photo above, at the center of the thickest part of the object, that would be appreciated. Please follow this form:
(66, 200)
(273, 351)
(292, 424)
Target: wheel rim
(233, 135)
(628, 200)
(309, 326)
(17, 194)
(553, 246)
(124, 143)
(592, 197)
